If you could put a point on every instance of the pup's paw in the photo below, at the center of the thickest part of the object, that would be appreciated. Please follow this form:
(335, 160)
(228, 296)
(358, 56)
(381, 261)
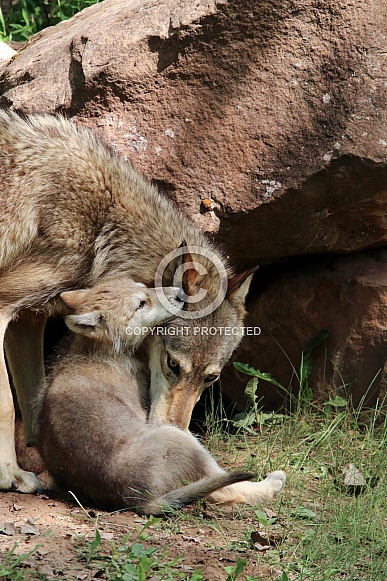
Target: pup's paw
(275, 482)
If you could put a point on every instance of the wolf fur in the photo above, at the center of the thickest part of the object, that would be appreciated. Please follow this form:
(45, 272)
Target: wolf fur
(72, 213)
(95, 437)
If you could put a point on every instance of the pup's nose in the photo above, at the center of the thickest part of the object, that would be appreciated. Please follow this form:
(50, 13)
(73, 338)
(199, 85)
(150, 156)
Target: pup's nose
(177, 295)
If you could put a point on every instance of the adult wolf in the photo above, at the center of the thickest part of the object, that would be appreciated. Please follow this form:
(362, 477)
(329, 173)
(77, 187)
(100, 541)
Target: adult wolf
(94, 434)
(72, 213)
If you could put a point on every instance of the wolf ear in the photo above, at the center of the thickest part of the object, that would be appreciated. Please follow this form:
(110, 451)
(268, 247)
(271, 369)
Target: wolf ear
(238, 286)
(189, 276)
(74, 299)
(84, 323)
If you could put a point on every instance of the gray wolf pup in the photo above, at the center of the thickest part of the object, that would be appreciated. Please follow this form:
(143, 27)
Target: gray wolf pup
(95, 437)
(72, 213)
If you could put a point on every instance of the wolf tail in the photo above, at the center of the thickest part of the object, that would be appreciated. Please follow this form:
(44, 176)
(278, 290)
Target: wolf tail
(180, 497)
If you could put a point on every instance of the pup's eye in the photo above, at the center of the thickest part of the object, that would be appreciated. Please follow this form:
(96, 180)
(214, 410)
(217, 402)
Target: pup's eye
(211, 379)
(141, 305)
(173, 365)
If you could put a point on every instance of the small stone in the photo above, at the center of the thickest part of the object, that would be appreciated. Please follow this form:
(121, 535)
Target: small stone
(29, 529)
(7, 528)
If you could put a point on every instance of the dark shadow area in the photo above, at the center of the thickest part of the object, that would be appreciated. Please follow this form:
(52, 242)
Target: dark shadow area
(213, 410)
(55, 334)
(77, 78)
(341, 207)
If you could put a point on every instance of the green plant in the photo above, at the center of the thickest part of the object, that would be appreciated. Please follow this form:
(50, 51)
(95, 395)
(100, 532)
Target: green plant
(135, 562)
(252, 415)
(263, 519)
(9, 566)
(27, 17)
(283, 577)
(129, 561)
(92, 551)
(234, 572)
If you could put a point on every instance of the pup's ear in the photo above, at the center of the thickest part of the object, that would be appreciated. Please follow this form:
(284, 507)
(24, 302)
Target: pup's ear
(74, 299)
(84, 323)
(238, 286)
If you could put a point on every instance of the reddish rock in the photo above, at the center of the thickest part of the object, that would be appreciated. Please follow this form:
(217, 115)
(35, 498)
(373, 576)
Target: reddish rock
(274, 110)
(347, 296)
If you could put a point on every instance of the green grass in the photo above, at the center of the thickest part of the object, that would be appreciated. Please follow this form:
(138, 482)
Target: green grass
(328, 533)
(347, 538)
(27, 17)
(10, 565)
(133, 561)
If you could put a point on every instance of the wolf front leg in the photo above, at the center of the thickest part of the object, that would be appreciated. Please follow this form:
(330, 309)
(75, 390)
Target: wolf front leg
(11, 476)
(24, 348)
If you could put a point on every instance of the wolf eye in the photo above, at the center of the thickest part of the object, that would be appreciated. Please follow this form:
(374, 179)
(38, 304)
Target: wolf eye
(173, 365)
(211, 378)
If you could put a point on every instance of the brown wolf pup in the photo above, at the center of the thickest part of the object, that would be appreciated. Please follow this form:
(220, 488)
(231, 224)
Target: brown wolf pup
(95, 437)
(72, 213)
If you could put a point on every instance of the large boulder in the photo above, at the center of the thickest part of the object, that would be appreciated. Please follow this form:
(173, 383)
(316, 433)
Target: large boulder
(276, 111)
(347, 298)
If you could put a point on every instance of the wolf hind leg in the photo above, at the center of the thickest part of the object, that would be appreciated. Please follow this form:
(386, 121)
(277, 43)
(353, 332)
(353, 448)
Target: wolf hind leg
(185, 495)
(11, 476)
(164, 457)
(250, 492)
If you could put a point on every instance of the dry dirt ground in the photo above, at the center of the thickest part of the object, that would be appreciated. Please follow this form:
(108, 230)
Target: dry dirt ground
(208, 539)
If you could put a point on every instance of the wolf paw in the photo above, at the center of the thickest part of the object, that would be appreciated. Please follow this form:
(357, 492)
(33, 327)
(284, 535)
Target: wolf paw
(19, 481)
